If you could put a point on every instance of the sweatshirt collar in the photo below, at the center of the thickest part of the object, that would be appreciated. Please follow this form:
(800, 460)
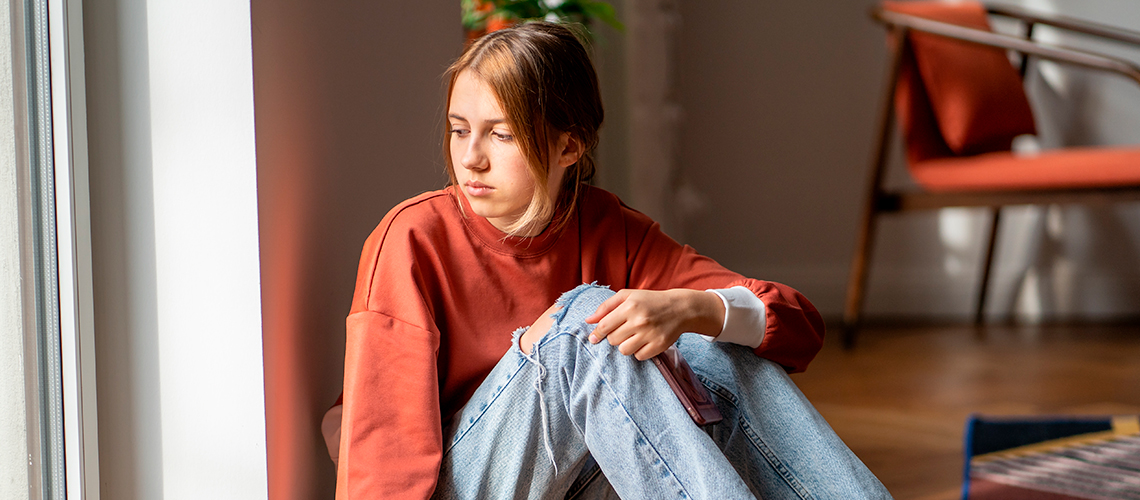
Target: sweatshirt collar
(498, 241)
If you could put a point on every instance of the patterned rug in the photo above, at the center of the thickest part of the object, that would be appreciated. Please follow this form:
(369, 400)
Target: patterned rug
(1052, 458)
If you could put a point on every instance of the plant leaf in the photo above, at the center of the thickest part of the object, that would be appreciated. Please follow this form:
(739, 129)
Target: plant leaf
(579, 11)
(603, 12)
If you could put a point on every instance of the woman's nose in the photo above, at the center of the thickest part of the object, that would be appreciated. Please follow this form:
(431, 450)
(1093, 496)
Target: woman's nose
(473, 156)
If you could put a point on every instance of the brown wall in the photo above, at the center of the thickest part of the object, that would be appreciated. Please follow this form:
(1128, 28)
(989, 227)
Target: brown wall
(778, 104)
(348, 110)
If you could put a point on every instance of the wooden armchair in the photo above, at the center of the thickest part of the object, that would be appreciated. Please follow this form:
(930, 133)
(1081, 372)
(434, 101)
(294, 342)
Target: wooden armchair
(959, 103)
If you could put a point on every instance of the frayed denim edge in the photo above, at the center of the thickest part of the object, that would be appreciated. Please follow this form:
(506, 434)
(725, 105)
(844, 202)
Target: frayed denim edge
(569, 297)
(538, 379)
(516, 338)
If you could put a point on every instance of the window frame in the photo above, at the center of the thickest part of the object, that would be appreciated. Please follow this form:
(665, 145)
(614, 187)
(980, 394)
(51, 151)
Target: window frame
(55, 234)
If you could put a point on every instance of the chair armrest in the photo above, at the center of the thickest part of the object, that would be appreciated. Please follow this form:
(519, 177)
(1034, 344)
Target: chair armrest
(1093, 60)
(1068, 23)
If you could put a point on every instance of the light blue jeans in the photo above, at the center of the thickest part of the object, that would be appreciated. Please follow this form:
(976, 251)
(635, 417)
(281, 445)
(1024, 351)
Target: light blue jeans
(581, 420)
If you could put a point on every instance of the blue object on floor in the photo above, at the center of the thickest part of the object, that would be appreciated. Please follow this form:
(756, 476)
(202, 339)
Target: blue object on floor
(1054, 458)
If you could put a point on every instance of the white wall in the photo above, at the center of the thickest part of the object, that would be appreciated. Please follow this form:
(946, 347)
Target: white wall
(1077, 261)
(780, 103)
(13, 423)
(175, 251)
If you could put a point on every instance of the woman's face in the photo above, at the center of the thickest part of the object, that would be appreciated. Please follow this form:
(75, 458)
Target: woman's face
(489, 167)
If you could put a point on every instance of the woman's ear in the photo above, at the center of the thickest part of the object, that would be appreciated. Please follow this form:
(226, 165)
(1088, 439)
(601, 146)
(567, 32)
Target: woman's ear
(569, 149)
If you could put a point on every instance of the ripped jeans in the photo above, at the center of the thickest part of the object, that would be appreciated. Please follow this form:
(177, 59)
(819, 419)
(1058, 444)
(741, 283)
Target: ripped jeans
(581, 420)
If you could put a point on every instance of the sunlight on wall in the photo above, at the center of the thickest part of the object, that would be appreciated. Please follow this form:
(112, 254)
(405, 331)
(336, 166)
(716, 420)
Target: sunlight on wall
(206, 249)
(1048, 276)
(1073, 260)
(1052, 73)
(175, 250)
(958, 229)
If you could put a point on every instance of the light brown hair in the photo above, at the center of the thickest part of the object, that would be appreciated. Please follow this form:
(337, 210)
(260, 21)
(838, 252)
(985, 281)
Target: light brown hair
(546, 85)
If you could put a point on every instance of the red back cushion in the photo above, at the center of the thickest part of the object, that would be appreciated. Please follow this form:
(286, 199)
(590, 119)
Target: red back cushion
(971, 92)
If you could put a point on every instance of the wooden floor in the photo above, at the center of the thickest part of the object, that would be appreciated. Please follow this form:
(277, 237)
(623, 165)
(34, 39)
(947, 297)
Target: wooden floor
(901, 398)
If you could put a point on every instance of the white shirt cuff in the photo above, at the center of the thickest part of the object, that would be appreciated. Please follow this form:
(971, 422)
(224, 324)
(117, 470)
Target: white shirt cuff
(744, 317)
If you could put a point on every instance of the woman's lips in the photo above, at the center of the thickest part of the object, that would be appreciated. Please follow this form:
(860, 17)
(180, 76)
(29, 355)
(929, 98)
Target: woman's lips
(475, 188)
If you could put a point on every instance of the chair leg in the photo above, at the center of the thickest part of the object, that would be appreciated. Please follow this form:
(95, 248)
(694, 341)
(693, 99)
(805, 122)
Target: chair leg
(857, 282)
(987, 266)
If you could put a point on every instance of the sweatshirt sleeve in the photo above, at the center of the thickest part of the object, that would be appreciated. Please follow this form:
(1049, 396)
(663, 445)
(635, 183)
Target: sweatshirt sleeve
(391, 443)
(391, 437)
(744, 321)
(793, 328)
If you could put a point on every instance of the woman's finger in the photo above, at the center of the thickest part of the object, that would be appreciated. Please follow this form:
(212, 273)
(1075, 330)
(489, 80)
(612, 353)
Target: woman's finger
(632, 345)
(648, 351)
(609, 305)
(613, 320)
(613, 324)
(620, 334)
(603, 329)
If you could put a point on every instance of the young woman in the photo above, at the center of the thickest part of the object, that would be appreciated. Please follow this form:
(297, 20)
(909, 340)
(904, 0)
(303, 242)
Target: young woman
(442, 401)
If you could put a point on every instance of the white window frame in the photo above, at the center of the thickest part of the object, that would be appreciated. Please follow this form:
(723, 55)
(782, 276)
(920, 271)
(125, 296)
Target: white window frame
(59, 372)
(73, 236)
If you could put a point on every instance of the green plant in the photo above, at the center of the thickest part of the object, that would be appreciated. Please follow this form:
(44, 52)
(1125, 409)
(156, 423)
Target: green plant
(483, 15)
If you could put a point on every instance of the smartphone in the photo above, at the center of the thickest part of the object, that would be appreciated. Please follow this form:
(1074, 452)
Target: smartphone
(694, 397)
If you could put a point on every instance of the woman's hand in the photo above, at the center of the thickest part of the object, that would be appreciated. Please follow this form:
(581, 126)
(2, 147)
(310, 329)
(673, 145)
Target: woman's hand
(646, 322)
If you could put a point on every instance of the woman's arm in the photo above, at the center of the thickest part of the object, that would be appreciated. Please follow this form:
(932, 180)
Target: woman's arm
(391, 437)
(793, 329)
(644, 323)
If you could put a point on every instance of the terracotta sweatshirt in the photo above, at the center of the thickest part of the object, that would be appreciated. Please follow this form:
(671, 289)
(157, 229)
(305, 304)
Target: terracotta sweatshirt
(438, 295)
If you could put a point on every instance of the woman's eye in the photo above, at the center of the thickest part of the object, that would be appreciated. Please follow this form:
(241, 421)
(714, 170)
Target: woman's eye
(503, 136)
(460, 132)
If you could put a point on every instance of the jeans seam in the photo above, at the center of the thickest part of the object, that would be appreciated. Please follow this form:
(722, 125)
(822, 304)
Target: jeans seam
(781, 469)
(778, 465)
(464, 429)
(718, 389)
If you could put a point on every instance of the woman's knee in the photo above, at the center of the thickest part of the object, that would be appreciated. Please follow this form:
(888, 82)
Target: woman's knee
(568, 312)
(579, 303)
(730, 365)
(538, 329)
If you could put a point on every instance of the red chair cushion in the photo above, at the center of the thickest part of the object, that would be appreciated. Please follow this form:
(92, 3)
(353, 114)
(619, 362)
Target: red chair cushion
(1056, 169)
(972, 91)
(916, 119)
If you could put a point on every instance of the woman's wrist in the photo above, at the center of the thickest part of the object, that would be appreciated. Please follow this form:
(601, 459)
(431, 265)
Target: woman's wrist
(707, 313)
